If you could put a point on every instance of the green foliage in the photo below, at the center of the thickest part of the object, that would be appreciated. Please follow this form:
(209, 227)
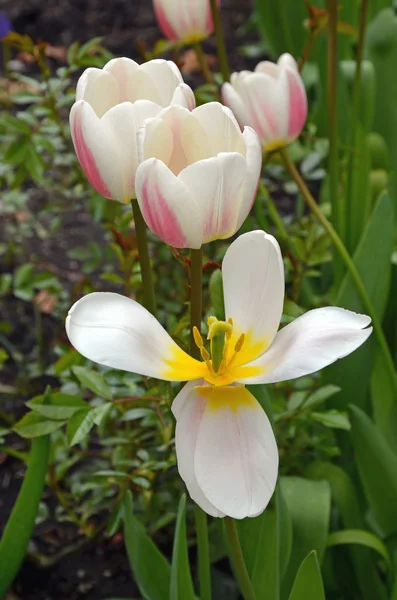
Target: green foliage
(181, 586)
(308, 584)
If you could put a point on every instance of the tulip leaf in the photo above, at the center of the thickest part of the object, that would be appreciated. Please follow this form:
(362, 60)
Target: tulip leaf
(308, 584)
(181, 586)
(377, 466)
(93, 381)
(309, 504)
(361, 537)
(149, 567)
(344, 496)
(19, 528)
(372, 259)
(281, 25)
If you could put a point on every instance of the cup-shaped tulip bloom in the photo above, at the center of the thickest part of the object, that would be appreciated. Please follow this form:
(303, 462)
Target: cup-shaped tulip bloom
(198, 176)
(226, 450)
(111, 105)
(184, 20)
(272, 100)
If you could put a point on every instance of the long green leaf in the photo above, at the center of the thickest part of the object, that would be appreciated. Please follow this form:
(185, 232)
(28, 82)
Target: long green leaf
(19, 528)
(282, 25)
(372, 259)
(344, 496)
(308, 584)
(377, 466)
(150, 569)
(309, 504)
(361, 537)
(181, 586)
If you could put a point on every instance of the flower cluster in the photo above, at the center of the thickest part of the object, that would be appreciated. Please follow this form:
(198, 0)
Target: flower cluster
(194, 173)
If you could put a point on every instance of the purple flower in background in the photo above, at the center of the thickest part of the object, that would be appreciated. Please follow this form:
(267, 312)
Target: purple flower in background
(5, 24)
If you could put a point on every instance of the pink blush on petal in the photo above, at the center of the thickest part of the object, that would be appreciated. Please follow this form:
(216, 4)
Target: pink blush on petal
(87, 161)
(160, 218)
(297, 107)
(164, 23)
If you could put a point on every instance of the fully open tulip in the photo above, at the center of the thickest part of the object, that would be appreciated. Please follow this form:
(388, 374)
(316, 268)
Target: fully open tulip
(184, 20)
(272, 100)
(199, 174)
(226, 451)
(111, 105)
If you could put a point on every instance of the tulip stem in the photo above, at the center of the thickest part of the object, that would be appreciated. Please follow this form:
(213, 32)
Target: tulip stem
(204, 565)
(149, 299)
(220, 42)
(201, 57)
(349, 263)
(238, 559)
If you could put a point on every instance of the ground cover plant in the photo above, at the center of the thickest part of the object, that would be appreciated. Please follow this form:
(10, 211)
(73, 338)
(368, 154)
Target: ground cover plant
(198, 392)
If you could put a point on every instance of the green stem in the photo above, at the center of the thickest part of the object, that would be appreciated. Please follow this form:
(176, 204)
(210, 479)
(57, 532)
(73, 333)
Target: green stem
(273, 213)
(238, 559)
(196, 275)
(337, 203)
(201, 57)
(355, 114)
(149, 299)
(220, 43)
(349, 263)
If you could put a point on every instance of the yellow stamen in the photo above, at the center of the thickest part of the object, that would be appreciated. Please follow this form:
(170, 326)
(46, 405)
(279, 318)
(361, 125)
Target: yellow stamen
(218, 328)
(198, 340)
(205, 355)
(239, 343)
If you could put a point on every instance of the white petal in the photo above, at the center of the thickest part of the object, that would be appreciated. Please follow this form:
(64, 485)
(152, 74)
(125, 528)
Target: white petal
(310, 343)
(184, 96)
(164, 77)
(268, 68)
(236, 457)
(253, 284)
(253, 154)
(168, 206)
(180, 399)
(117, 332)
(187, 426)
(286, 60)
(97, 151)
(221, 128)
(155, 140)
(216, 185)
(232, 99)
(99, 89)
(134, 84)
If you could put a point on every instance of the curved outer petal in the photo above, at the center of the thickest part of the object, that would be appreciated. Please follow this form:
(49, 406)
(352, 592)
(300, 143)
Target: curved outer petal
(117, 332)
(220, 127)
(253, 155)
(98, 88)
(235, 456)
(253, 286)
(165, 76)
(107, 147)
(182, 20)
(310, 343)
(216, 185)
(287, 60)
(297, 104)
(188, 411)
(168, 206)
(233, 100)
(184, 96)
(133, 83)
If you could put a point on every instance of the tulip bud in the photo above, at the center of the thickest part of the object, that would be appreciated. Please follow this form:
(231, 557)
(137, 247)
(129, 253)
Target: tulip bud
(272, 100)
(111, 105)
(198, 176)
(184, 20)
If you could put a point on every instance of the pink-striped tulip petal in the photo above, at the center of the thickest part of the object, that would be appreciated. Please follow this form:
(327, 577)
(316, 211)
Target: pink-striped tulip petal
(184, 20)
(226, 451)
(216, 165)
(272, 100)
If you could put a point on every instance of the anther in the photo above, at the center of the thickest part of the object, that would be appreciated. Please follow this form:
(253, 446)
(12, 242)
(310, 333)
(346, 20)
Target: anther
(239, 343)
(198, 340)
(205, 355)
(211, 320)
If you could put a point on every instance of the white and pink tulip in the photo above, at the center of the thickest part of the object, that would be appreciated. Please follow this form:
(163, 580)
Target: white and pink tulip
(271, 100)
(226, 450)
(198, 174)
(184, 20)
(111, 105)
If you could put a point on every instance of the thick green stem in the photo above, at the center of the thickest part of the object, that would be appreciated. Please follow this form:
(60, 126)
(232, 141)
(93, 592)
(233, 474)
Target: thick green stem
(196, 275)
(355, 114)
(149, 299)
(220, 43)
(349, 263)
(238, 559)
(201, 57)
(337, 201)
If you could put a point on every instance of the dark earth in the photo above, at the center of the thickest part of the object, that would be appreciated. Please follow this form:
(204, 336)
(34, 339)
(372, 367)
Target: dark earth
(77, 568)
